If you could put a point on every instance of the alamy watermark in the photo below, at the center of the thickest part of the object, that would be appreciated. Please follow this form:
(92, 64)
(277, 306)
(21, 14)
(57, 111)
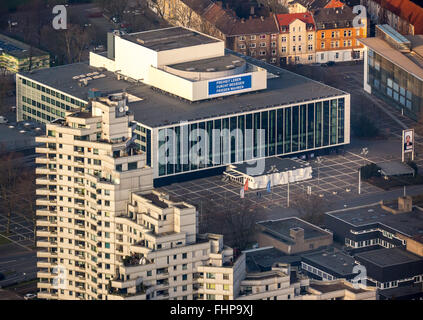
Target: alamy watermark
(217, 147)
(60, 20)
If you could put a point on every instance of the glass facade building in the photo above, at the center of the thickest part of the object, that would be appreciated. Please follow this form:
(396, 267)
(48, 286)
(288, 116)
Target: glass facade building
(394, 85)
(241, 137)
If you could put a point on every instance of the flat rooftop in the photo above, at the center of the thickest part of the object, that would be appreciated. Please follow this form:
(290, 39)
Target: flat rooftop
(17, 48)
(325, 288)
(155, 108)
(410, 224)
(280, 229)
(395, 168)
(281, 164)
(262, 259)
(412, 62)
(227, 62)
(333, 260)
(388, 257)
(169, 38)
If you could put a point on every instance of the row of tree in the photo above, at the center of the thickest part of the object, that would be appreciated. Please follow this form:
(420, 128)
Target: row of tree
(17, 189)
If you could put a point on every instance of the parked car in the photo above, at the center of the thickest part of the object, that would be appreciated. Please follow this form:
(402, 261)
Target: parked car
(3, 120)
(331, 63)
(30, 296)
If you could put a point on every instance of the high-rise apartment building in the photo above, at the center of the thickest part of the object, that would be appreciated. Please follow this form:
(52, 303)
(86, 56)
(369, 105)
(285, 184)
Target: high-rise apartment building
(104, 233)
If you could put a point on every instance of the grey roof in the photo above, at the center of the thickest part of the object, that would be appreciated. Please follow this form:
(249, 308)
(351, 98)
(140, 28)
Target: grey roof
(217, 63)
(331, 260)
(158, 108)
(395, 168)
(410, 223)
(18, 49)
(388, 257)
(331, 18)
(169, 38)
(409, 62)
(280, 229)
(281, 164)
(263, 259)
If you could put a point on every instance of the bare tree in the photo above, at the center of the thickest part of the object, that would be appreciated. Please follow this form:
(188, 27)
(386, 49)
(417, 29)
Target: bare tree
(6, 85)
(26, 190)
(114, 7)
(235, 220)
(275, 6)
(311, 208)
(10, 169)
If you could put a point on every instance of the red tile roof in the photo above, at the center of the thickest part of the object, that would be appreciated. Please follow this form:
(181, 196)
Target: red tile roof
(406, 10)
(286, 19)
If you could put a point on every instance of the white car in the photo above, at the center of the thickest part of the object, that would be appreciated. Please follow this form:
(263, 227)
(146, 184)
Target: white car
(30, 296)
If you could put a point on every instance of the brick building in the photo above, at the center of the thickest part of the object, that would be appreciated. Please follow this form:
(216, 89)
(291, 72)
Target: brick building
(404, 16)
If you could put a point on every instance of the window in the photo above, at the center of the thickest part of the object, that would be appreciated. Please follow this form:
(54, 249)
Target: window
(262, 44)
(310, 47)
(210, 275)
(252, 45)
(242, 46)
(262, 36)
(225, 276)
(252, 37)
(226, 287)
(283, 49)
(293, 38)
(283, 39)
(273, 44)
(211, 286)
(322, 35)
(242, 38)
(310, 36)
(322, 45)
(184, 255)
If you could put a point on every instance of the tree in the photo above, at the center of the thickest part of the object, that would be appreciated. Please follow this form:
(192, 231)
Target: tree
(114, 7)
(311, 208)
(26, 189)
(6, 85)
(235, 220)
(10, 170)
(275, 6)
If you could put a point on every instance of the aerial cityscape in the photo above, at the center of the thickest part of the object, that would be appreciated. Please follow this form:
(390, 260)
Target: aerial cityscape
(211, 150)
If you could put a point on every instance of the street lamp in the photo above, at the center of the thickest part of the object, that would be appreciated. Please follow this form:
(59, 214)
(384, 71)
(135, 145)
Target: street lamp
(364, 153)
(319, 161)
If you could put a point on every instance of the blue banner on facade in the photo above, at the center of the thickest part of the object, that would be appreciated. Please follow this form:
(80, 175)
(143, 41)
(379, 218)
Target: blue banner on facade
(229, 84)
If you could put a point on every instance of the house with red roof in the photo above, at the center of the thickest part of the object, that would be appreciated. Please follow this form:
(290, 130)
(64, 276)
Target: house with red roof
(297, 37)
(405, 16)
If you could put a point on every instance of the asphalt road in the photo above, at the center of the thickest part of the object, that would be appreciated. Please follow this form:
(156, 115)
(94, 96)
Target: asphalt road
(17, 264)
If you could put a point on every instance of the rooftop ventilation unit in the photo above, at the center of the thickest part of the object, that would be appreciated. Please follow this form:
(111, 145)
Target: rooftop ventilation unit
(190, 69)
(210, 69)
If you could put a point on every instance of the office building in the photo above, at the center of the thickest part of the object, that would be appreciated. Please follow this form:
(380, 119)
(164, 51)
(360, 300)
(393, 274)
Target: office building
(393, 69)
(16, 56)
(187, 81)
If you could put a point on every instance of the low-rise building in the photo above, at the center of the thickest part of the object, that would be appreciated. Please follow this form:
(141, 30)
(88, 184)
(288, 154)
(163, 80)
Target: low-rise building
(292, 235)
(338, 290)
(381, 225)
(300, 6)
(17, 56)
(391, 268)
(328, 264)
(393, 69)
